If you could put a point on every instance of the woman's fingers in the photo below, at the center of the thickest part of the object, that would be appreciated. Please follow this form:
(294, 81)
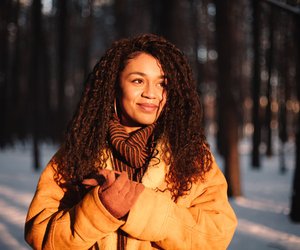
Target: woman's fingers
(90, 182)
(105, 178)
(121, 181)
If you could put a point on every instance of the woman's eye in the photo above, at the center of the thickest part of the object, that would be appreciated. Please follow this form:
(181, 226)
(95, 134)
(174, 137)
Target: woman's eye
(137, 81)
(162, 84)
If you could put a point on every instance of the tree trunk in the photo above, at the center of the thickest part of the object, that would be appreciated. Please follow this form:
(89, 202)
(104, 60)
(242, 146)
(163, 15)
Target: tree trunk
(295, 205)
(171, 19)
(14, 76)
(285, 49)
(86, 47)
(62, 17)
(270, 63)
(34, 79)
(4, 19)
(161, 17)
(256, 119)
(228, 82)
(198, 67)
(132, 17)
(120, 8)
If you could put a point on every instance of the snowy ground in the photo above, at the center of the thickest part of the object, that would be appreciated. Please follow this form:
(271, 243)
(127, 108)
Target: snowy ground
(262, 212)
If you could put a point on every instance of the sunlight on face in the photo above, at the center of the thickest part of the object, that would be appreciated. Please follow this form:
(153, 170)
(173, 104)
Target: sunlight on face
(143, 95)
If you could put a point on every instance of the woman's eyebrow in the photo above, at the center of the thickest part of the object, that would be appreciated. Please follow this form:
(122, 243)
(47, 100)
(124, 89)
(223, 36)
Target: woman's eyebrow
(144, 74)
(137, 73)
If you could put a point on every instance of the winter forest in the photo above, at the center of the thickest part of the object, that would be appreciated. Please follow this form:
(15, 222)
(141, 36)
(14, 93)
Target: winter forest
(245, 55)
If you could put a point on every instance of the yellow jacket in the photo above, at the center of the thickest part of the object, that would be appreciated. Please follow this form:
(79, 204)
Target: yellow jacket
(203, 219)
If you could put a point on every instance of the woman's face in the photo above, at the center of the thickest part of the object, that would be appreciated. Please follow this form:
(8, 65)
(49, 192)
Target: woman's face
(143, 94)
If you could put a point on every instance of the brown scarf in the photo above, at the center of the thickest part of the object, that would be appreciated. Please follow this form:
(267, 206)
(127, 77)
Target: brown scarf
(131, 153)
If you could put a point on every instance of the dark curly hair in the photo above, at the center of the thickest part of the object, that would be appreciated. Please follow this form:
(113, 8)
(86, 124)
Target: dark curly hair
(178, 128)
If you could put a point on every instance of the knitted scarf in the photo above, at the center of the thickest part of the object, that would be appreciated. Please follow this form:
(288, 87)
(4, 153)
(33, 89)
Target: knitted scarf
(131, 153)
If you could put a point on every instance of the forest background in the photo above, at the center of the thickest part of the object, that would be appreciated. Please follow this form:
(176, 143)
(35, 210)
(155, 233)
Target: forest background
(245, 55)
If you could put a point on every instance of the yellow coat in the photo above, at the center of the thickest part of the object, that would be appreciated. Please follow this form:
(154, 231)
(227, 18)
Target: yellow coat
(203, 219)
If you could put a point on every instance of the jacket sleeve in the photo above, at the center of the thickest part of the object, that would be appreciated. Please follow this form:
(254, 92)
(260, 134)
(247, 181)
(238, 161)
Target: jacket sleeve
(49, 226)
(207, 223)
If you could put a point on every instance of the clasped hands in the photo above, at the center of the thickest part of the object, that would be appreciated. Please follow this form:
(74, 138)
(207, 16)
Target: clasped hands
(117, 193)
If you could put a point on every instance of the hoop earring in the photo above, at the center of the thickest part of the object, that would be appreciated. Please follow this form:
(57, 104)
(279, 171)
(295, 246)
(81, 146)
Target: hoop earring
(115, 107)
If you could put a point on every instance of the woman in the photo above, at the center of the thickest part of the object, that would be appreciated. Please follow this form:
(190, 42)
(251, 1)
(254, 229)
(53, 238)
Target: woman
(135, 170)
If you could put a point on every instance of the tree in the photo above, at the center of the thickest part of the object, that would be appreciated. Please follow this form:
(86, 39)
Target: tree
(228, 98)
(256, 137)
(4, 19)
(132, 17)
(270, 66)
(62, 49)
(34, 74)
(295, 205)
(86, 47)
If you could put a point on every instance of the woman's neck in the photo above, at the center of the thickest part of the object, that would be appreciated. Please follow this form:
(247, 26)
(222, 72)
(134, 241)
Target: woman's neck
(130, 129)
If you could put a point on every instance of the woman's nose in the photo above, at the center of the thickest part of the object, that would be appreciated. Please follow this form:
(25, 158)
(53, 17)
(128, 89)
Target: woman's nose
(149, 91)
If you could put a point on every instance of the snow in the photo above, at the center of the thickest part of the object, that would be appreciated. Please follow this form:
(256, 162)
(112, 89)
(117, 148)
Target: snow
(262, 211)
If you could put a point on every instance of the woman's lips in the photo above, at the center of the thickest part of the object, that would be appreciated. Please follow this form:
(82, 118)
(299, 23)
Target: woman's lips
(148, 107)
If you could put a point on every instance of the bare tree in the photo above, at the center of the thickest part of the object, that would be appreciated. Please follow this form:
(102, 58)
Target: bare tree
(62, 49)
(4, 19)
(34, 73)
(270, 66)
(228, 95)
(295, 205)
(14, 69)
(86, 47)
(132, 17)
(256, 82)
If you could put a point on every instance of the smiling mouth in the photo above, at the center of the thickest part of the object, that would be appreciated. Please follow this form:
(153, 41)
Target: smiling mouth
(147, 107)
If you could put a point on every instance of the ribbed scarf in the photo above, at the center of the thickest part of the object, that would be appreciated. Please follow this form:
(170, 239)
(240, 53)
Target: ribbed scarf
(131, 153)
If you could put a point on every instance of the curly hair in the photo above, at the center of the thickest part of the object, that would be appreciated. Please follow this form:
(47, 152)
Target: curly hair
(178, 128)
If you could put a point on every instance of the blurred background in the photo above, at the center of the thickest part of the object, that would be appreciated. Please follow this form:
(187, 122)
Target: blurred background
(245, 55)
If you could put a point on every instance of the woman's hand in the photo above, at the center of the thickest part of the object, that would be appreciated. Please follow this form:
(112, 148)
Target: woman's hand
(120, 196)
(104, 178)
(117, 193)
